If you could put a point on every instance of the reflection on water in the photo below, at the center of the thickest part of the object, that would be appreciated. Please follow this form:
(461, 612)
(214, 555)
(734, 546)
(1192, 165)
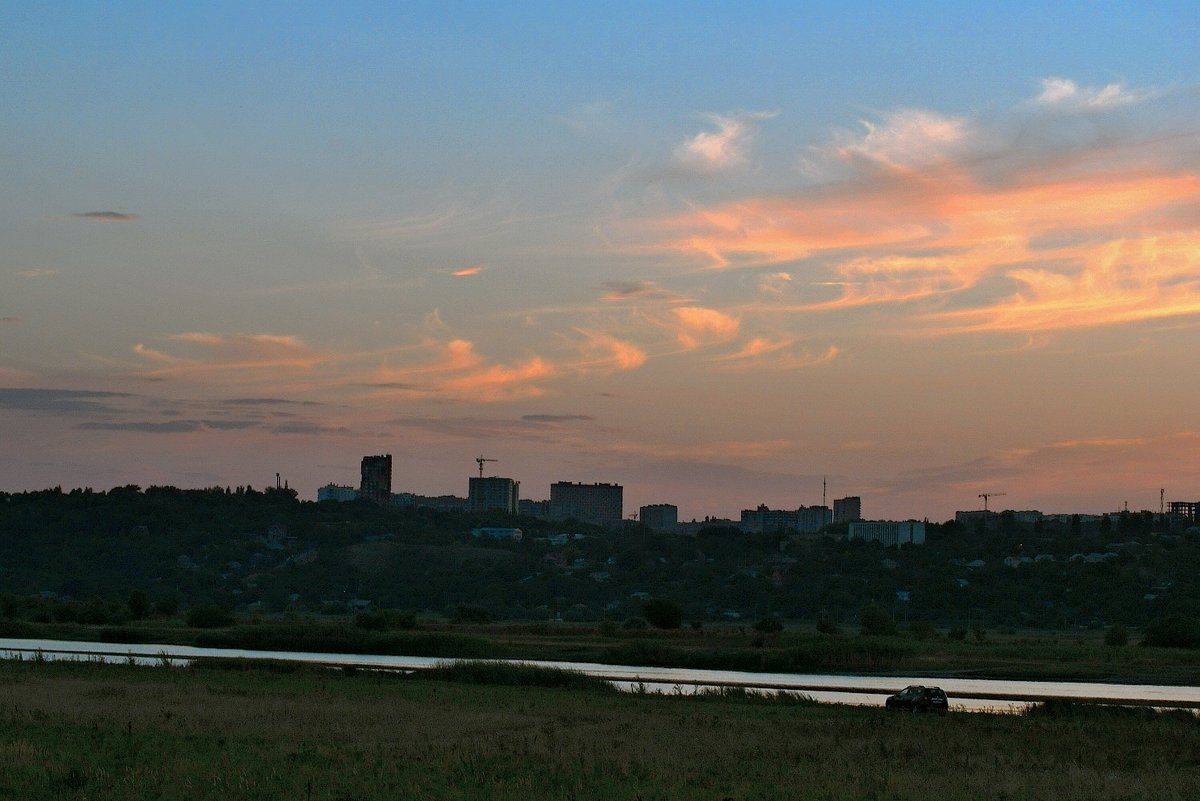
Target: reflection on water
(966, 694)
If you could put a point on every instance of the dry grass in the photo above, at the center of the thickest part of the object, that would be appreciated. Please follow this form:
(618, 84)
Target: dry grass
(118, 732)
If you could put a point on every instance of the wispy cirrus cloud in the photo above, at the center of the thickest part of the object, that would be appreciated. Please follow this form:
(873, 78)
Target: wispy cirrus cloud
(637, 290)
(905, 139)
(37, 272)
(724, 147)
(170, 426)
(600, 351)
(558, 418)
(60, 401)
(203, 351)
(960, 224)
(266, 402)
(759, 353)
(538, 428)
(696, 326)
(1064, 92)
(105, 216)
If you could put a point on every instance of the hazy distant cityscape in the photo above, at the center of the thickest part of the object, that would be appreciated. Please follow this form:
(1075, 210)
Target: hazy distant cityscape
(602, 504)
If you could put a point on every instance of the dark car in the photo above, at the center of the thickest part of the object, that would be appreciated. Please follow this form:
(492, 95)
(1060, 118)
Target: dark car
(919, 699)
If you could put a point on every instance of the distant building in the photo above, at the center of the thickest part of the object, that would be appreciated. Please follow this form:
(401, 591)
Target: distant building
(805, 520)
(337, 492)
(493, 494)
(990, 519)
(888, 532)
(376, 484)
(1185, 511)
(442, 503)
(498, 533)
(593, 503)
(660, 516)
(847, 509)
(533, 508)
(975, 518)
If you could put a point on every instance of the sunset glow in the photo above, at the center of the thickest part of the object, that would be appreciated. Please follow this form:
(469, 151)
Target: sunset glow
(916, 268)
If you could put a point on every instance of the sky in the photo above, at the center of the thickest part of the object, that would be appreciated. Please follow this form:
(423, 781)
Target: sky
(722, 254)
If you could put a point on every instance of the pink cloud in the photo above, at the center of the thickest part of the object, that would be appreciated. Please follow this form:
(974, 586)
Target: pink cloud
(696, 326)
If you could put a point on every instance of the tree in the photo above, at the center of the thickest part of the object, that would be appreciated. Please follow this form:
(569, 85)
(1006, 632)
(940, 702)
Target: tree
(1116, 635)
(663, 614)
(875, 621)
(1176, 631)
(208, 616)
(139, 604)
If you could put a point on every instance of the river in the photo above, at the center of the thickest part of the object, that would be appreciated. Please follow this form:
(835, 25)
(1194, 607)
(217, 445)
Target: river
(965, 694)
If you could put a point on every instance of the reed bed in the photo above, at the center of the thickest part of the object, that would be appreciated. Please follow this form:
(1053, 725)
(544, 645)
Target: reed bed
(94, 731)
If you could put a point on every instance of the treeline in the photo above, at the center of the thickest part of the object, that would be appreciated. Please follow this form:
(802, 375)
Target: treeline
(111, 557)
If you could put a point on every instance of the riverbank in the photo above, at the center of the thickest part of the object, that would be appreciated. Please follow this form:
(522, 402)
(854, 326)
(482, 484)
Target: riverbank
(279, 731)
(1023, 655)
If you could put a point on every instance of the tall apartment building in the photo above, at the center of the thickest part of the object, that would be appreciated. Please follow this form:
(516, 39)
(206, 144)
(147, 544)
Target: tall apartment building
(660, 516)
(376, 483)
(592, 503)
(805, 520)
(847, 509)
(888, 532)
(493, 494)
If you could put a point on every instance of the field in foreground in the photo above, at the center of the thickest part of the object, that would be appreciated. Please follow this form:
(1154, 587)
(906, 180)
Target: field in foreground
(121, 732)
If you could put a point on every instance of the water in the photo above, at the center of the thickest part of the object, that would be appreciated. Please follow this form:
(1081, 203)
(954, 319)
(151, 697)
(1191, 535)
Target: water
(965, 694)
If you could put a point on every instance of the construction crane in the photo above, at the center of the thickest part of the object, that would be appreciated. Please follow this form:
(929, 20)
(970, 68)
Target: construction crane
(986, 495)
(480, 460)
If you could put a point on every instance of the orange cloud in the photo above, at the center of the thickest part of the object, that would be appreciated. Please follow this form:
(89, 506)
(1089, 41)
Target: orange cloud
(1088, 244)
(606, 352)
(777, 354)
(474, 269)
(696, 326)
(1119, 281)
(500, 382)
(206, 352)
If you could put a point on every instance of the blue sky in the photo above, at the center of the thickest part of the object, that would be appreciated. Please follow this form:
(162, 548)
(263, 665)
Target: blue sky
(711, 252)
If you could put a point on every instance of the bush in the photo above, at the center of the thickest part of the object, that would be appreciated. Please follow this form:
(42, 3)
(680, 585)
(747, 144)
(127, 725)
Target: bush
(827, 626)
(1175, 631)
(663, 614)
(470, 613)
(957, 633)
(922, 629)
(1116, 636)
(510, 674)
(769, 625)
(635, 624)
(875, 621)
(167, 607)
(208, 616)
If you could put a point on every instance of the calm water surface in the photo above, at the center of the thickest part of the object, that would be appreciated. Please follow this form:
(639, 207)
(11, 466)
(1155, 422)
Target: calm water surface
(965, 694)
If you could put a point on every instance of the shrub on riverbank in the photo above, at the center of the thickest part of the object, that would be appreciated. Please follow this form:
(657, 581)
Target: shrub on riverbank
(510, 674)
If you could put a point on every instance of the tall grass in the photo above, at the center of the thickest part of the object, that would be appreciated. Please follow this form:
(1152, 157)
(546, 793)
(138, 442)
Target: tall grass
(74, 731)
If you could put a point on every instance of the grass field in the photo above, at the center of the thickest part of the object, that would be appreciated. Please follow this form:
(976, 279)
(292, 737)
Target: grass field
(90, 731)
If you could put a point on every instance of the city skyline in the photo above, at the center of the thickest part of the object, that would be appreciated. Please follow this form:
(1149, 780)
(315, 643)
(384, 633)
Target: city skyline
(713, 255)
